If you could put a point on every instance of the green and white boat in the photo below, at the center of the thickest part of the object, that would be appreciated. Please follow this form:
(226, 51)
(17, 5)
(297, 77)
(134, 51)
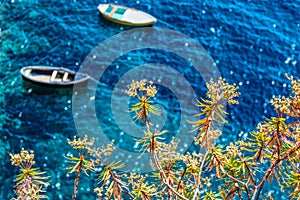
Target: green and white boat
(126, 16)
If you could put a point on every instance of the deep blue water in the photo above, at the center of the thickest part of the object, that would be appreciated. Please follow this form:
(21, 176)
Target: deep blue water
(253, 44)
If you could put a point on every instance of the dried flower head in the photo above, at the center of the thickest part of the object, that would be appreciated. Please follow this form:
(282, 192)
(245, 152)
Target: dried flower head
(233, 150)
(99, 192)
(167, 152)
(192, 160)
(78, 143)
(289, 105)
(207, 181)
(222, 90)
(281, 105)
(295, 85)
(22, 159)
(99, 152)
(136, 88)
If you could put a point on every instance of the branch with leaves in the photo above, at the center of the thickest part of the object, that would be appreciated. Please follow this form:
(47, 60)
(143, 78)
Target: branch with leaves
(241, 169)
(270, 152)
(88, 157)
(30, 181)
(113, 183)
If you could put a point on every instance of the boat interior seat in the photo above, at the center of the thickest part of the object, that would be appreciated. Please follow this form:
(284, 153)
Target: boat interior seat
(53, 76)
(65, 77)
(109, 9)
(113, 11)
(117, 16)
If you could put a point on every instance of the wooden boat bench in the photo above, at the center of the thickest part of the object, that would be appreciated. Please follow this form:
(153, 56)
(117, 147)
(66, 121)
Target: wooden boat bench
(65, 77)
(113, 11)
(53, 76)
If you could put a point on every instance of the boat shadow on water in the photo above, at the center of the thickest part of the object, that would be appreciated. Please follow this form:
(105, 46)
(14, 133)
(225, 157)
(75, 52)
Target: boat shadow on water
(31, 87)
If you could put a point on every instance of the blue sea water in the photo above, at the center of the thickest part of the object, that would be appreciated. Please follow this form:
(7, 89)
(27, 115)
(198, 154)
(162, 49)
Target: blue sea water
(253, 44)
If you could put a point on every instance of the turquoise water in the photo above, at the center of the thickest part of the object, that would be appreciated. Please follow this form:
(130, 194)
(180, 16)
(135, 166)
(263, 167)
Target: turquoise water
(253, 44)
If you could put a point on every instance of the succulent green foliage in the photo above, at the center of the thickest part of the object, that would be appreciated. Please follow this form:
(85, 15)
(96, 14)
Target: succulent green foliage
(141, 187)
(106, 172)
(269, 153)
(292, 182)
(86, 165)
(211, 196)
(29, 190)
(241, 169)
(113, 183)
(150, 140)
(212, 111)
(87, 159)
(143, 91)
(84, 161)
(30, 181)
(34, 174)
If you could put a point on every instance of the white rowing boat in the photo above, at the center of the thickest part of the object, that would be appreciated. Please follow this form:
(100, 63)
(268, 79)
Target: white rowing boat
(53, 76)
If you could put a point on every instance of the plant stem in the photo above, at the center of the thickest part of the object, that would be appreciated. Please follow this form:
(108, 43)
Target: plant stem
(259, 187)
(198, 181)
(164, 177)
(209, 121)
(116, 181)
(227, 174)
(181, 177)
(76, 181)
